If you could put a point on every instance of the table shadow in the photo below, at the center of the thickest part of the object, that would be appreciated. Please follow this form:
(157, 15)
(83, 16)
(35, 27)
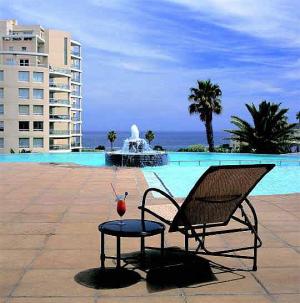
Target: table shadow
(108, 278)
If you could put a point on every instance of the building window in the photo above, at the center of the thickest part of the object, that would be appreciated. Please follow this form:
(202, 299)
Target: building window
(1, 92)
(38, 125)
(10, 61)
(1, 126)
(24, 62)
(1, 75)
(1, 109)
(38, 110)
(24, 110)
(38, 93)
(24, 93)
(66, 51)
(1, 142)
(23, 126)
(24, 76)
(38, 142)
(38, 77)
(24, 48)
(10, 48)
(24, 142)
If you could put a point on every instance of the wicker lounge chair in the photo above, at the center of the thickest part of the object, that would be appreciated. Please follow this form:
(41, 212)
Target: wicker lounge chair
(212, 203)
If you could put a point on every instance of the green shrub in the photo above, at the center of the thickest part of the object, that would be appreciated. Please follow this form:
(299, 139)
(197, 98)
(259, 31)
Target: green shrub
(100, 147)
(158, 147)
(223, 148)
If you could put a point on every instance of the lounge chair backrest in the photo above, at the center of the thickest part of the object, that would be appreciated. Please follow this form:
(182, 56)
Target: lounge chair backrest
(218, 193)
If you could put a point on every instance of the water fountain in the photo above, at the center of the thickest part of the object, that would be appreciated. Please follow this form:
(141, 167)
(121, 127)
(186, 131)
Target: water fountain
(136, 152)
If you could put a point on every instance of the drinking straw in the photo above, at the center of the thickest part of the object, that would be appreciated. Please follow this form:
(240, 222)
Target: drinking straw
(114, 190)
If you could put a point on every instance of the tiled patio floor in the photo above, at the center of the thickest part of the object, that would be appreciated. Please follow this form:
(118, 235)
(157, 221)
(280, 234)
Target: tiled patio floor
(48, 233)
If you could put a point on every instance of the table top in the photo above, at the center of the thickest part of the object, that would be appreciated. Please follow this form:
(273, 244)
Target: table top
(131, 228)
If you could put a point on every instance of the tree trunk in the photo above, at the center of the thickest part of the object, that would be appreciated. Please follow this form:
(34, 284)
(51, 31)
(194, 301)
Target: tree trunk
(111, 145)
(209, 133)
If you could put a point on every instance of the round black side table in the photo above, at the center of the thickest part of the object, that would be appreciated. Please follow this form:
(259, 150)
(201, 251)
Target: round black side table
(129, 228)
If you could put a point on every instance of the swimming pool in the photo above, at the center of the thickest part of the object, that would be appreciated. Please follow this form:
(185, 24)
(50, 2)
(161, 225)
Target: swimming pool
(185, 168)
(85, 158)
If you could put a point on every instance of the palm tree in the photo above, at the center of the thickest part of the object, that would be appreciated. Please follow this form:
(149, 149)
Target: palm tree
(111, 136)
(149, 136)
(298, 117)
(206, 101)
(270, 133)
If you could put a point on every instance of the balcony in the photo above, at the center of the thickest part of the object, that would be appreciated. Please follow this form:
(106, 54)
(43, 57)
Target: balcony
(75, 79)
(76, 132)
(22, 35)
(15, 63)
(75, 93)
(59, 147)
(75, 66)
(59, 72)
(76, 106)
(59, 86)
(75, 144)
(59, 117)
(58, 132)
(75, 53)
(59, 102)
(76, 119)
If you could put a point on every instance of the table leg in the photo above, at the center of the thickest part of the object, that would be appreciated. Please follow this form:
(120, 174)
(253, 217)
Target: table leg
(142, 246)
(118, 252)
(102, 255)
(162, 243)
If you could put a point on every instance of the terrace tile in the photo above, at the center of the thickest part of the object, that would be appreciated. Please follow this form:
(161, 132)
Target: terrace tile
(49, 233)
(52, 300)
(292, 238)
(15, 259)
(229, 299)
(8, 280)
(50, 282)
(279, 280)
(22, 241)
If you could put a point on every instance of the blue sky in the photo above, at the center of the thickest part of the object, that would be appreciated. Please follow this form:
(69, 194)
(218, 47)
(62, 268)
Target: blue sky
(142, 56)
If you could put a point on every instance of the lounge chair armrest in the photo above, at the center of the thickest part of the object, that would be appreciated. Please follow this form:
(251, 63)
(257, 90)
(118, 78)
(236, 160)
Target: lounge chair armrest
(142, 207)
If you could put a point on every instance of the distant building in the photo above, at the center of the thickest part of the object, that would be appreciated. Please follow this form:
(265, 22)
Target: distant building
(40, 89)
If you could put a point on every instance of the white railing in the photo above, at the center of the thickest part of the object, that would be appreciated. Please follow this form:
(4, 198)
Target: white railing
(59, 132)
(208, 162)
(59, 147)
(59, 101)
(59, 85)
(59, 70)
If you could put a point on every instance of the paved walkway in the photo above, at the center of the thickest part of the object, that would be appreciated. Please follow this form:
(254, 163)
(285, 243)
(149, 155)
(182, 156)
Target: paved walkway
(49, 216)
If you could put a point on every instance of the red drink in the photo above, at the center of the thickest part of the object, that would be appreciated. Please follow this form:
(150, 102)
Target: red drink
(121, 207)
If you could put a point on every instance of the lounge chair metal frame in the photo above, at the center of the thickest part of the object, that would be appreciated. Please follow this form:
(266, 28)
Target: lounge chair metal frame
(199, 231)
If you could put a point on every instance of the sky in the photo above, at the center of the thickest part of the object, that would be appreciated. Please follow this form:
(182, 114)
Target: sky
(141, 57)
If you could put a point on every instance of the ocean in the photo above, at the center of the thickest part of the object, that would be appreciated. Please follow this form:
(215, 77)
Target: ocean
(169, 140)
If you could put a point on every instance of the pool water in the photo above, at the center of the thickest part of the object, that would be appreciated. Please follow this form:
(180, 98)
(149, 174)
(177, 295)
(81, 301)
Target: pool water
(184, 169)
(85, 158)
(180, 180)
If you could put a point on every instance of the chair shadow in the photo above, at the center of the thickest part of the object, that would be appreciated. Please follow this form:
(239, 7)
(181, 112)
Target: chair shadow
(175, 269)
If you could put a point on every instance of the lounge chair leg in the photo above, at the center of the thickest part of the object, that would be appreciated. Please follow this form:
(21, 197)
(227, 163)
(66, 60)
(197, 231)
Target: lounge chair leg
(255, 250)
